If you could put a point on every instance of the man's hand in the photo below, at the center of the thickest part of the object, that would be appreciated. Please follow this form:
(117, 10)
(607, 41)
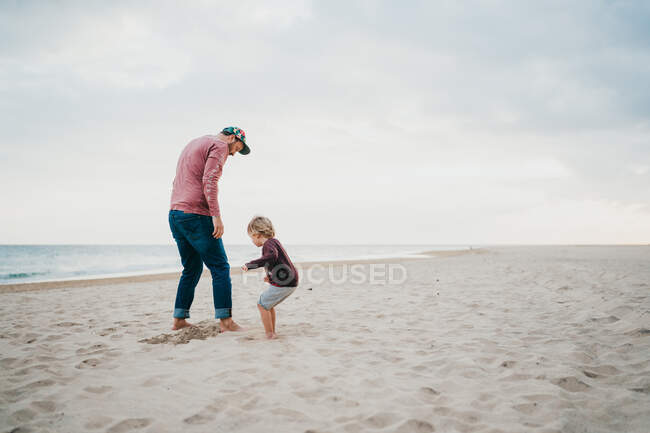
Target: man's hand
(244, 268)
(266, 279)
(218, 227)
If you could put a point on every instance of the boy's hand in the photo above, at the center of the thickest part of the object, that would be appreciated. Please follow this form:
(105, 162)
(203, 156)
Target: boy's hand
(244, 268)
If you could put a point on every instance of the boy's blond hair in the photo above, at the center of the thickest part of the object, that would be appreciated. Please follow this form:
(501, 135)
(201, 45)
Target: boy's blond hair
(261, 225)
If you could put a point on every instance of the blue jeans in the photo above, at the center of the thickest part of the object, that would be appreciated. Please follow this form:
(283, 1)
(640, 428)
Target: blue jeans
(193, 235)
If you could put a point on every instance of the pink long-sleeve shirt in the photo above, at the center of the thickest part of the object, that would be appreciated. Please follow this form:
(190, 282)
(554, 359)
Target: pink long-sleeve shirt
(197, 174)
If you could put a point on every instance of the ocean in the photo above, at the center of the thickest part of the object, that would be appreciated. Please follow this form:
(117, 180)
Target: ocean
(38, 263)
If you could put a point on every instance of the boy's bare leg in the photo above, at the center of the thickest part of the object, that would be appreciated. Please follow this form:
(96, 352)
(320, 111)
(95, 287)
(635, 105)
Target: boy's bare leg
(272, 311)
(180, 324)
(266, 321)
(229, 325)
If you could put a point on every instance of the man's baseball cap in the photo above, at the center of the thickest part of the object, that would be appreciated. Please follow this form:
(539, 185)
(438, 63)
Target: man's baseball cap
(241, 136)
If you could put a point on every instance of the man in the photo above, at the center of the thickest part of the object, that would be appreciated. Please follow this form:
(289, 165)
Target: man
(195, 222)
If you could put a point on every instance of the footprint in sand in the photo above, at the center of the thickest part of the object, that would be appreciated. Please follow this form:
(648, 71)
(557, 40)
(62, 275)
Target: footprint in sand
(442, 411)
(608, 319)
(353, 427)
(129, 424)
(17, 394)
(93, 349)
(469, 417)
(321, 379)
(289, 413)
(202, 417)
(6, 362)
(539, 397)
(251, 404)
(427, 391)
(415, 426)
(571, 384)
(339, 400)
(602, 370)
(641, 332)
(113, 353)
(30, 338)
(98, 389)
(526, 408)
(21, 429)
(516, 377)
(380, 420)
(23, 371)
(152, 381)
(46, 358)
(344, 419)
(88, 363)
(44, 405)
(107, 331)
(308, 395)
(98, 421)
(643, 389)
(23, 415)
(67, 324)
(40, 384)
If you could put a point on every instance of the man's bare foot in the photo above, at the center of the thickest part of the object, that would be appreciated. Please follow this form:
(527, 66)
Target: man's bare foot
(271, 335)
(180, 324)
(229, 325)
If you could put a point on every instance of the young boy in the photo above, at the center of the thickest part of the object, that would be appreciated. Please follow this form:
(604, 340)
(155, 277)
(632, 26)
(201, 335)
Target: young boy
(280, 272)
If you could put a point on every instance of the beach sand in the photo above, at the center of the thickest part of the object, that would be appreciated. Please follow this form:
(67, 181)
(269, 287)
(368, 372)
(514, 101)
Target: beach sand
(516, 339)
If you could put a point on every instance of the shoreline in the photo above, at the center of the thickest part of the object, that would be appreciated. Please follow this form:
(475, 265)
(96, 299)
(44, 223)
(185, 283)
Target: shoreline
(164, 276)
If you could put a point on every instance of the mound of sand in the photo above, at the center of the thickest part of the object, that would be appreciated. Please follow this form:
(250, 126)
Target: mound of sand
(200, 331)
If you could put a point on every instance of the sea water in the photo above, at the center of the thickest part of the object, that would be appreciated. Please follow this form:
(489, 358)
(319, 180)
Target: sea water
(35, 263)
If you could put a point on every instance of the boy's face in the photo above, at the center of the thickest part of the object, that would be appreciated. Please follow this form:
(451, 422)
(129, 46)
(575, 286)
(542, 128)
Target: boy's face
(257, 239)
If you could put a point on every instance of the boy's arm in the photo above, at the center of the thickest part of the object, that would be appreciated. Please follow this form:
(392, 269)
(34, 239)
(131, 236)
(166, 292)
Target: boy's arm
(269, 255)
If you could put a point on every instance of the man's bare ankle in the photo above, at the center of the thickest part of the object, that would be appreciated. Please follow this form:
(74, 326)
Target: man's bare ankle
(180, 324)
(229, 325)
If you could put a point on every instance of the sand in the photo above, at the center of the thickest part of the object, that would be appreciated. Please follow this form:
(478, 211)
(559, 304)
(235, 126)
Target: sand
(518, 339)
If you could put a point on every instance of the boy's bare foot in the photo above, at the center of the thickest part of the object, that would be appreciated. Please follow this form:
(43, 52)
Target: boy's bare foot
(271, 335)
(180, 324)
(229, 325)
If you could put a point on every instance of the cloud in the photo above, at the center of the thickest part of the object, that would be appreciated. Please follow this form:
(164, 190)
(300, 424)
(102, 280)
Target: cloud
(148, 45)
(369, 113)
(123, 51)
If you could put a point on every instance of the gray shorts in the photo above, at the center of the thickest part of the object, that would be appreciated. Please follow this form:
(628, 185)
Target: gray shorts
(273, 295)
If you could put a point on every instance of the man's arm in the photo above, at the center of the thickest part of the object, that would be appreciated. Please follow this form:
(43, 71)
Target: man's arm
(211, 176)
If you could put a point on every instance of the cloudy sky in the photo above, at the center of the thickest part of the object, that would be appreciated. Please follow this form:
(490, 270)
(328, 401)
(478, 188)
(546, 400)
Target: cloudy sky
(443, 122)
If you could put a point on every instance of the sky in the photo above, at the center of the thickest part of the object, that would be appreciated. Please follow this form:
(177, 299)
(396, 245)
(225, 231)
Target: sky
(474, 123)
